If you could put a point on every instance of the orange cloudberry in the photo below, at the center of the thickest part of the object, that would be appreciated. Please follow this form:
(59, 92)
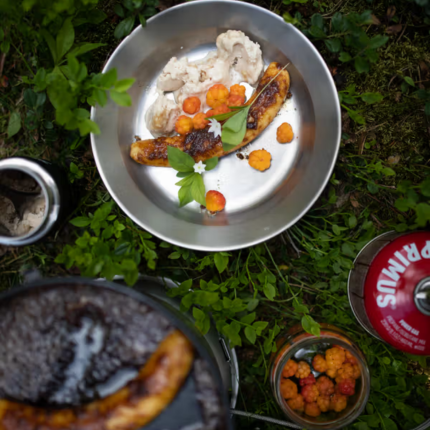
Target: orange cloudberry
(349, 358)
(345, 372)
(235, 100)
(191, 105)
(325, 386)
(356, 371)
(238, 90)
(217, 95)
(199, 121)
(261, 160)
(332, 373)
(223, 108)
(288, 389)
(284, 133)
(184, 125)
(297, 403)
(303, 369)
(319, 363)
(338, 402)
(323, 403)
(289, 369)
(312, 409)
(335, 358)
(215, 201)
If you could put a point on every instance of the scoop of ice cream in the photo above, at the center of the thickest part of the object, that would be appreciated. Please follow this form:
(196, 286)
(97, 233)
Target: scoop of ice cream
(173, 75)
(236, 60)
(162, 115)
(241, 53)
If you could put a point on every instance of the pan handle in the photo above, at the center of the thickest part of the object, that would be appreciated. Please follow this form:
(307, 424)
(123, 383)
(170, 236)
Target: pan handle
(263, 418)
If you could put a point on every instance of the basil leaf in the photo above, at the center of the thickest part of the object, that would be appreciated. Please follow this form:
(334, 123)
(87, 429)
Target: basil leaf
(185, 196)
(222, 116)
(211, 163)
(183, 174)
(198, 190)
(188, 180)
(231, 139)
(237, 122)
(179, 160)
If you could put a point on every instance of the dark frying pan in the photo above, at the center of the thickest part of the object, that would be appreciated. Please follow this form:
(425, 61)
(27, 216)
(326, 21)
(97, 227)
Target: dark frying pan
(184, 410)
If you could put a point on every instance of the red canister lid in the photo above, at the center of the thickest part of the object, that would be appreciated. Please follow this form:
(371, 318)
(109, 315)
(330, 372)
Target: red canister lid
(397, 293)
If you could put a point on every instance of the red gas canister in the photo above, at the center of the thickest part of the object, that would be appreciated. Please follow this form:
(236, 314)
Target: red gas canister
(389, 290)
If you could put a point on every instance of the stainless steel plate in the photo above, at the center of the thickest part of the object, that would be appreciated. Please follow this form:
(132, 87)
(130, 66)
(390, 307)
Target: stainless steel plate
(259, 204)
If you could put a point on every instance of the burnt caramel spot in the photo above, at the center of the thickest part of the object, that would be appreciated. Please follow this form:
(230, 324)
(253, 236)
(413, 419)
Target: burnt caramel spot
(266, 99)
(200, 142)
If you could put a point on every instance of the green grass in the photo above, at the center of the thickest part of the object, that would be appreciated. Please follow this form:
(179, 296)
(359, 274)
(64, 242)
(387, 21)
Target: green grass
(358, 204)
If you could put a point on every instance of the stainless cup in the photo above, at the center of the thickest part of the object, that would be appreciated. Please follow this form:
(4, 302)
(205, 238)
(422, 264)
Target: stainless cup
(50, 186)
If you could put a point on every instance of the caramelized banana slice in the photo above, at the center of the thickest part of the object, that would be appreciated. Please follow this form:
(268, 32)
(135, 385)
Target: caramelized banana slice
(130, 408)
(201, 144)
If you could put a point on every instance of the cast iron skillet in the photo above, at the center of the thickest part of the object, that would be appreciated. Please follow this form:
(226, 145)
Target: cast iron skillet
(184, 409)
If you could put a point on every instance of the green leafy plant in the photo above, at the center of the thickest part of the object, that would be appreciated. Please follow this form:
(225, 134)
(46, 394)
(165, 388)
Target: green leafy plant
(346, 37)
(229, 303)
(129, 10)
(192, 185)
(108, 247)
(350, 97)
(415, 203)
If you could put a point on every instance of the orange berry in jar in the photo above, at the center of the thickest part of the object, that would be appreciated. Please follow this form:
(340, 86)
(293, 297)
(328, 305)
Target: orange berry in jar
(310, 393)
(312, 409)
(260, 160)
(235, 100)
(215, 201)
(217, 95)
(332, 373)
(238, 90)
(284, 133)
(335, 357)
(219, 110)
(289, 369)
(199, 121)
(297, 403)
(323, 403)
(319, 363)
(191, 105)
(288, 389)
(338, 402)
(184, 125)
(356, 371)
(345, 372)
(349, 358)
(303, 369)
(325, 386)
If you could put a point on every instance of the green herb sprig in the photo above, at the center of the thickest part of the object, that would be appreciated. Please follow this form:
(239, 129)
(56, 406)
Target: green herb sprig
(192, 185)
(234, 129)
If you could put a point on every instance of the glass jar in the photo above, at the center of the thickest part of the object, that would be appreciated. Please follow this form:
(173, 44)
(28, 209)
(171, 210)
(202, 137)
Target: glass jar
(298, 345)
